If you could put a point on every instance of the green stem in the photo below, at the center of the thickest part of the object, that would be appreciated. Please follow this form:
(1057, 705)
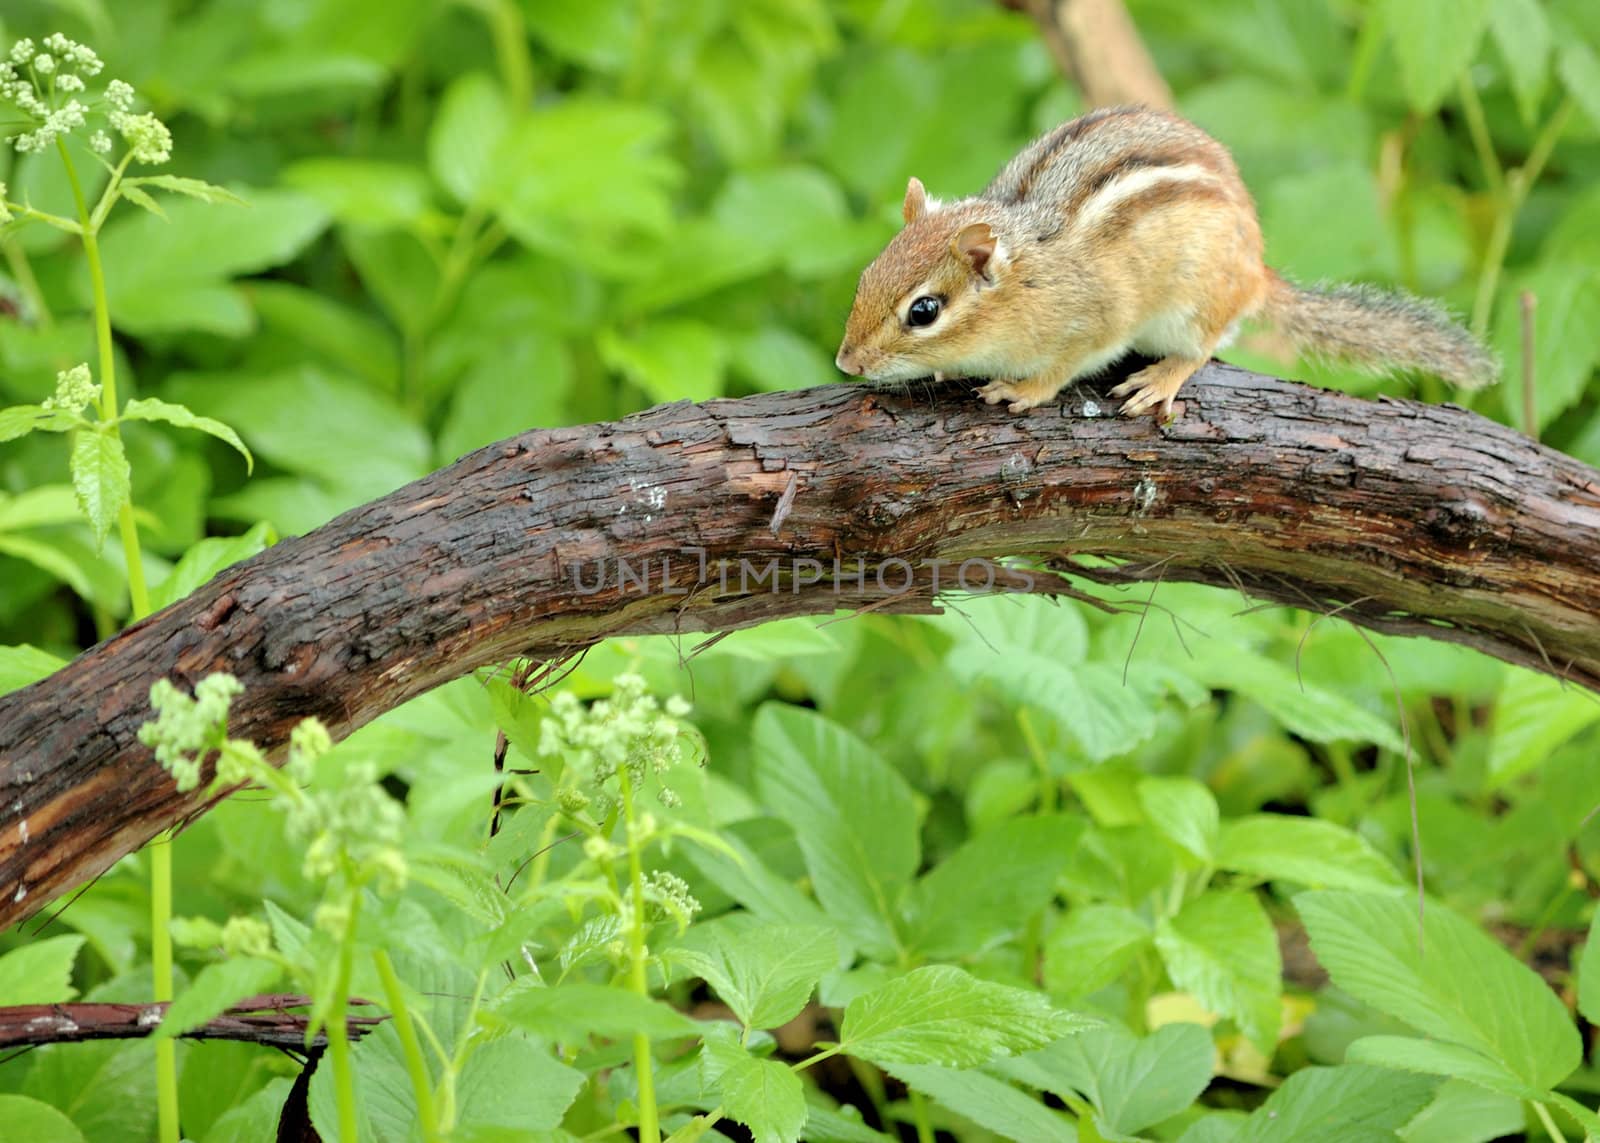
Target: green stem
(649, 1123)
(919, 1116)
(138, 593)
(1550, 1127)
(1478, 128)
(1518, 184)
(645, 12)
(167, 1112)
(1048, 785)
(416, 1067)
(338, 1034)
(510, 36)
(22, 270)
(826, 1053)
(1368, 41)
(167, 1106)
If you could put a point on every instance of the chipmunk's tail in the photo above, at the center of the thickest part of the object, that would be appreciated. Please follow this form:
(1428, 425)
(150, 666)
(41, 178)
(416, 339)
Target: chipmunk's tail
(1380, 330)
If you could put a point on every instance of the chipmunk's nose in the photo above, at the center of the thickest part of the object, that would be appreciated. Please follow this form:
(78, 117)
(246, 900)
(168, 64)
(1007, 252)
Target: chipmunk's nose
(846, 361)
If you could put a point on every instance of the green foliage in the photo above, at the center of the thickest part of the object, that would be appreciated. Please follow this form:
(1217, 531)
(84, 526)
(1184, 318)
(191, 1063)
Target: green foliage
(1028, 864)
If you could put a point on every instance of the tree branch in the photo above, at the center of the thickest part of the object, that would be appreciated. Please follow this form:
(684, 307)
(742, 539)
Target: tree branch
(1413, 519)
(1097, 47)
(255, 1020)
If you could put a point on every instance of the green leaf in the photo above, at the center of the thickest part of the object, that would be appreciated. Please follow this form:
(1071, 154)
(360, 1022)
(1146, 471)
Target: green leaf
(1222, 948)
(671, 359)
(961, 905)
(349, 467)
(1533, 715)
(747, 879)
(1588, 974)
(362, 192)
(352, 340)
(586, 179)
(20, 420)
(576, 1010)
(1351, 1104)
(1031, 651)
(24, 664)
(1465, 1113)
(150, 409)
(467, 130)
(205, 559)
(852, 813)
(214, 989)
(1465, 989)
(397, 271)
(1579, 69)
(790, 213)
(1434, 41)
(252, 1119)
(169, 276)
(1133, 1082)
(108, 1087)
(830, 1124)
(990, 1103)
(940, 1015)
(514, 1083)
(1183, 809)
(1566, 333)
(1091, 946)
(773, 358)
(484, 409)
(1327, 222)
(51, 560)
(765, 973)
(1310, 711)
(1317, 853)
(193, 188)
(595, 33)
(764, 1095)
(140, 199)
(1429, 1057)
(39, 972)
(101, 478)
(866, 141)
(36, 1122)
(1522, 32)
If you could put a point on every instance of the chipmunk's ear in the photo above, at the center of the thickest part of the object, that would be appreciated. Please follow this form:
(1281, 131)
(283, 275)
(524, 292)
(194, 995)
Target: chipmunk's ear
(916, 204)
(982, 250)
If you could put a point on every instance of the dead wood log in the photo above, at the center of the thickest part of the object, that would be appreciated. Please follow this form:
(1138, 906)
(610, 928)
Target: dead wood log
(1408, 518)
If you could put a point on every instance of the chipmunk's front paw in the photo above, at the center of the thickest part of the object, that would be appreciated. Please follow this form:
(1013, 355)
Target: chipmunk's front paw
(996, 391)
(1155, 385)
(1026, 394)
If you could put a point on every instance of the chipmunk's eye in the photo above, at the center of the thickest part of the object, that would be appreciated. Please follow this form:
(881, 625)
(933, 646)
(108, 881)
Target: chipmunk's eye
(923, 311)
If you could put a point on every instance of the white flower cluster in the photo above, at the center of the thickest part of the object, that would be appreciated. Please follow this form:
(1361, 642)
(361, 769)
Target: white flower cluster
(630, 730)
(187, 729)
(41, 81)
(75, 388)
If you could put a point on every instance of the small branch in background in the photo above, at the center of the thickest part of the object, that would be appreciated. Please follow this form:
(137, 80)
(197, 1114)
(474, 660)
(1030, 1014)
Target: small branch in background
(1530, 420)
(1098, 48)
(254, 1020)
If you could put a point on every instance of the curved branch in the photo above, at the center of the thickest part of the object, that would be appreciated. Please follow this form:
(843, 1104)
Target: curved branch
(1415, 519)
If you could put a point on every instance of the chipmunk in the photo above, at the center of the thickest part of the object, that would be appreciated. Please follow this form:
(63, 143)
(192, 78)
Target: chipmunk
(1124, 229)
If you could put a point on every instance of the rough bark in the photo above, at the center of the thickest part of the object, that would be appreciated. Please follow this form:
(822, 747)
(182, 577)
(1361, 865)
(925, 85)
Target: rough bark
(1408, 518)
(254, 1020)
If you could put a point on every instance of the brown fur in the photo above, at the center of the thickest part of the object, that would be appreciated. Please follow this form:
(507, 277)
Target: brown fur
(1124, 229)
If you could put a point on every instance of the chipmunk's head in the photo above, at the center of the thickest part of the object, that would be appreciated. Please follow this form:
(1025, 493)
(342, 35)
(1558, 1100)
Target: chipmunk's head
(918, 306)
